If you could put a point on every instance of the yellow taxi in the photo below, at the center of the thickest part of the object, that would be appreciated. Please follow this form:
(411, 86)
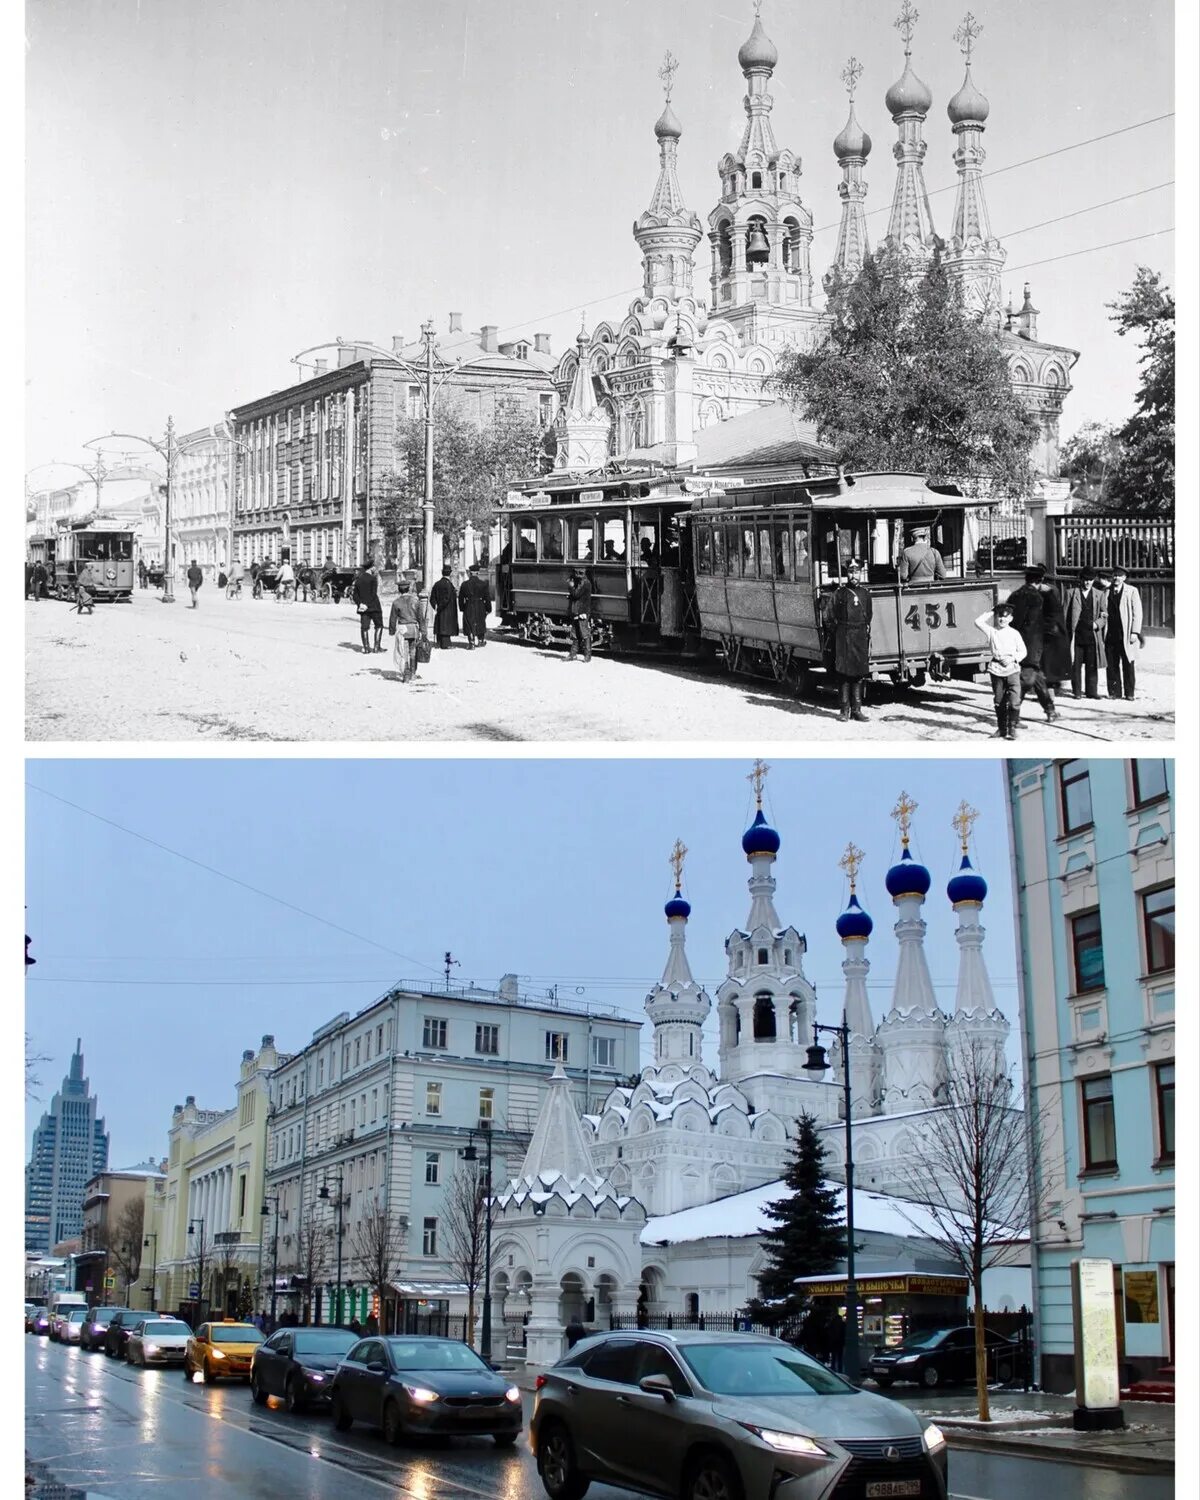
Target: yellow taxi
(221, 1350)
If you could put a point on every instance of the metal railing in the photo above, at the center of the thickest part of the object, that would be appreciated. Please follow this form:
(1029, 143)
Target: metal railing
(1142, 544)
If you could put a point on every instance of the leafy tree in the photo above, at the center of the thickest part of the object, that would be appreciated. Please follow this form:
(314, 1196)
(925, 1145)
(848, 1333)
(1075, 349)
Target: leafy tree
(907, 379)
(1145, 470)
(1089, 461)
(809, 1233)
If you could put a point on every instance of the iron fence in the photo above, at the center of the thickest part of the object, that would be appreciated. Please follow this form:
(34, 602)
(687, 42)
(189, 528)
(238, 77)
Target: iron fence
(440, 1324)
(1141, 544)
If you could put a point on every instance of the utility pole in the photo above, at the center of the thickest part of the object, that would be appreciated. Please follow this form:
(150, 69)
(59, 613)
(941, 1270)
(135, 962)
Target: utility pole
(427, 502)
(168, 553)
(154, 1273)
(271, 1198)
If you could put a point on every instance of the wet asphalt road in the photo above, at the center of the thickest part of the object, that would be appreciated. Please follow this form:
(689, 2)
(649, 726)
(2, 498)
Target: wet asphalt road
(127, 1434)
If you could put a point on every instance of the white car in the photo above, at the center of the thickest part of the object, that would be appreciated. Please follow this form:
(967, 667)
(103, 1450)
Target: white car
(158, 1341)
(70, 1325)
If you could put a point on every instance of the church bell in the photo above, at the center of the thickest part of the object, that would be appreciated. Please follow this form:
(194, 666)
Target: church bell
(758, 248)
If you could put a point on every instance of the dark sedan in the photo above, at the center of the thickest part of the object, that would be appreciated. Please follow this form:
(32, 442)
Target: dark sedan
(424, 1387)
(40, 1322)
(120, 1327)
(298, 1364)
(944, 1356)
(95, 1326)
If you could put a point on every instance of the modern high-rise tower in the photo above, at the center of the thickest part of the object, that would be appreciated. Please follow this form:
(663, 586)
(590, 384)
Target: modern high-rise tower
(70, 1146)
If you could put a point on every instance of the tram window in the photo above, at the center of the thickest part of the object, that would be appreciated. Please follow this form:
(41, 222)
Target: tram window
(704, 549)
(581, 539)
(550, 530)
(781, 535)
(613, 546)
(748, 550)
(800, 552)
(718, 550)
(670, 543)
(526, 539)
(733, 550)
(645, 536)
(766, 556)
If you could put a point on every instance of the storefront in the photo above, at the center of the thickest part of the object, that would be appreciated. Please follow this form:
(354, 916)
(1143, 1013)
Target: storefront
(892, 1306)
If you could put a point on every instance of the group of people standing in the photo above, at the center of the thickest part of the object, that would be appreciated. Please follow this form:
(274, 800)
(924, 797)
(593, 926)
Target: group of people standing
(408, 619)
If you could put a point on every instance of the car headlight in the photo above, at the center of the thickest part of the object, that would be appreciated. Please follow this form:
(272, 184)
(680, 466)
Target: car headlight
(908, 1359)
(314, 1375)
(421, 1395)
(513, 1393)
(216, 1354)
(933, 1438)
(149, 1348)
(786, 1442)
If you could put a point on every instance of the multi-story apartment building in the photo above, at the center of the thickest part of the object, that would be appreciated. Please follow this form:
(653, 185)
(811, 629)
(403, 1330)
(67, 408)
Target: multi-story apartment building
(1094, 865)
(201, 519)
(114, 1224)
(379, 1107)
(70, 1145)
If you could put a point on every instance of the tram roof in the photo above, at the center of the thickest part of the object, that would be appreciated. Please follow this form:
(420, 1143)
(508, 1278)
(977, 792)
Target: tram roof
(858, 492)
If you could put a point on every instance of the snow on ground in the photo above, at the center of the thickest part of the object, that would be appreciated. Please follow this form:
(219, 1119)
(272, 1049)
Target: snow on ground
(248, 669)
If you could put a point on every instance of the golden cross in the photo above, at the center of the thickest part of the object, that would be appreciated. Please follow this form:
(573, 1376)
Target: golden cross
(966, 34)
(964, 820)
(851, 73)
(902, 812)
(667, 73)
(757, 8)
(676, 861)
(906, 23)
(851, 862)
(758, 776)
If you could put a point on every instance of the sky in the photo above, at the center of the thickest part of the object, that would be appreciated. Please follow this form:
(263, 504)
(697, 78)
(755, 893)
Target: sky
(212, 187)
(555, 870)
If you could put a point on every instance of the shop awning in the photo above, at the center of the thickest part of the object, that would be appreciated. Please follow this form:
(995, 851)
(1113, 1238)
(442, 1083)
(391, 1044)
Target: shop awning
(902, 1284)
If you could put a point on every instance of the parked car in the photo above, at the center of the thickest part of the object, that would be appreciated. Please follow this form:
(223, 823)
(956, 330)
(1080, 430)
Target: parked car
(40, 1322)
(61, 1315)
(95, 1326)
(120, 1326)
(71, 1325)
(157, 1341)
(298, 1364)
(944, 1356)
(421, 1386)
(31, 1311)
(221, 1351)
(715, 1416)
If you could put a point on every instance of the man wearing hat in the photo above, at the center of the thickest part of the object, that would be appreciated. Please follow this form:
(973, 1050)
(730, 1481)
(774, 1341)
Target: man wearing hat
(365, 591)
(1123, 638)
(443, 599)
(579, 611)
(1086, 614)
(1004, 667)
(921, 562)
(1029, 620)
(848, 639)
(475, 600)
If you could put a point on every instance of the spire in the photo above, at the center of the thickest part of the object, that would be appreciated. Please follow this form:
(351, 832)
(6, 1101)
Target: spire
(668, 232)
(967, 892)
(757, 57)
(583, 425)
(677, 1006)
(851, 147)
(910, 226)
(854, 928)
(559, 1147)
(908, 883)
(974, 256)
(761, 843)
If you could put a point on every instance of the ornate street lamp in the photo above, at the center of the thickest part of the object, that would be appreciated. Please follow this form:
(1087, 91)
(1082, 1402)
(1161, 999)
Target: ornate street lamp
(154, 1272)
(200, 1279)
(323, 1194)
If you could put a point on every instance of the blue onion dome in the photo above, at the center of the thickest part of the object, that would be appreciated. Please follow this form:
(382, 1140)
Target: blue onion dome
(760, 837)
(908, 878)
(677, 906)
(853, 139)
(967, 885)
(667, 127)
(758, 50)
(908, 95)
(968, 106)
(854, 922)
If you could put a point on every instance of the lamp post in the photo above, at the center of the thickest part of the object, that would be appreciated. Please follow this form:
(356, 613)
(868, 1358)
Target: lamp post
(200, 1278)
(97, 474)
(471, 1154)
(816, 1065)
(154, 1271)
(323, 1194)
(273, 1198)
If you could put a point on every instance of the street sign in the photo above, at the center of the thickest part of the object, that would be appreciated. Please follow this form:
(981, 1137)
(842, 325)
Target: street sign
(110, 1281)
(193, 1291)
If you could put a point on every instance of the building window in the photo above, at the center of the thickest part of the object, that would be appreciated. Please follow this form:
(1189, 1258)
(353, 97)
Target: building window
(1099, 1123)
(604, 1051)
(357, 1053)
(433, 1168)
(429, 1237)
(1164, 1099)
(1149, 781)
(487, 1039)
(546, 410)
(763, 956)
(1088, 948)
(433, 1033)
(379, 1038)
(1158, 922)
(487, 1103)
(1076, 791)
(433, 1098)
(415, 405)
(556, 1046)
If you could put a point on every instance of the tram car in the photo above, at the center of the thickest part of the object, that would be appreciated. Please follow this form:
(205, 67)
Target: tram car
(744, 568)
(105, 543)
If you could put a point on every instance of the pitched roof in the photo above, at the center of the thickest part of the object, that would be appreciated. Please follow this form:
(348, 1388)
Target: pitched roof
(766, 435)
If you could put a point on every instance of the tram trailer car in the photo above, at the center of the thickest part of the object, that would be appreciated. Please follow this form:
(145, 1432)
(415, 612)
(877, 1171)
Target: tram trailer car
(104, 542)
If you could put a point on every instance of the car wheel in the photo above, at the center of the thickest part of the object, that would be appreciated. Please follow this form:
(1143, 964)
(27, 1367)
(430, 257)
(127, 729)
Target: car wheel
(504, 1439)
(393, 1427)
(930, 1376)
(1004, 1373)
(293, 1396)
(883, 1381)
(556, 1464)
(342, 1419)
(712, 1477)
(256, 1390)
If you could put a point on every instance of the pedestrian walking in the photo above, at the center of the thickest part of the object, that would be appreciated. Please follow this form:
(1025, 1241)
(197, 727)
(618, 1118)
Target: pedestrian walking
(85, 582)
(406, 623)
(1123, 638)
(1086, 616)
(579, 612)
(575, 1331)
(837, 1342)
(256, 580)
(921, 562)
(475, 601)
(29, 588)
(40, 579)
(444, 602)
(305, 581)
(1028, 619)
(1056, 645)
(142, 570)
(1004, 667)
(194, 579)
(848, 613)
(365, 590)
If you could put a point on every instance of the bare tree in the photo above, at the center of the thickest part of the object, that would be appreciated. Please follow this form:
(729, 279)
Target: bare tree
(124, 1242)
(226, 1269)
(309, 1256)
(32, 1061)
(464, 1224)
(377, 1243)
(198, 1268)
(969, 1176)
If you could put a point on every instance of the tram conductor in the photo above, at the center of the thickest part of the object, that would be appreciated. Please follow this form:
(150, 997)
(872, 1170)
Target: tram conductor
(848, 639)
(921, 562)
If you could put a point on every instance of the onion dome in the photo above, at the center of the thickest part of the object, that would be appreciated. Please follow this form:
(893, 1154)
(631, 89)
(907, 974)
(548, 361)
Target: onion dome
(677, 906)
(908, 95)
(908, 878)
(967, 885)
(853, 139)
(760, 837)
(758, 50)
(667, 127)
(968, 106)
(854, 922)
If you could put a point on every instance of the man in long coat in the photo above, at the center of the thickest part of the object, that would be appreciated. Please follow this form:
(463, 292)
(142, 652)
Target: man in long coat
(1056, 644)
(1123, 638)
(444, 602)
(365, 590)
(848, 639)
(1086, 617)
(475, 600)
(1029, 620)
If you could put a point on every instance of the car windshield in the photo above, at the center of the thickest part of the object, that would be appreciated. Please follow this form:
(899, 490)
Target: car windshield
(324, 1341)
(160, 1325)
(928, 1340)
(78, 1314)
(751, 1369)
(234, 1333)
(104, 1314)
(411, 1354)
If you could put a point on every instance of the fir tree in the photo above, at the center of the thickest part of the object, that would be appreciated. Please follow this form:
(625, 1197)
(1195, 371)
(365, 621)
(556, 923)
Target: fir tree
(1145, 470)
(809, 1236)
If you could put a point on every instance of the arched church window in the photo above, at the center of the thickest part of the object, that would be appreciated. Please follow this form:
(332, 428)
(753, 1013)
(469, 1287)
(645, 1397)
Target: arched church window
(756, 179)
(764, 1018)
(691, 1305)
(725, 248)
(763, 956)
(787, 955)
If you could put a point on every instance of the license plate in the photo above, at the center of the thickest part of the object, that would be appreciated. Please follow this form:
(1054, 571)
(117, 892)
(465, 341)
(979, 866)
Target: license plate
(880, 1489)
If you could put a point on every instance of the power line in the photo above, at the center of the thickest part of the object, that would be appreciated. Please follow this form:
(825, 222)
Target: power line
(1092, 249)
(1090, 209)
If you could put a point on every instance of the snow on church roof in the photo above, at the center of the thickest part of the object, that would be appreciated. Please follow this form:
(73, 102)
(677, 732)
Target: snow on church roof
(744, 1214)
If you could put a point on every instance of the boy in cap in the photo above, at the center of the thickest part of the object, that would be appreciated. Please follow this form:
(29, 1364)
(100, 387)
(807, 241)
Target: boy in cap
(1029, 619)
(1007, 653)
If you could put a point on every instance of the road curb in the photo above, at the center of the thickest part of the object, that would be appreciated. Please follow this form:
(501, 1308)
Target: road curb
(1120, 1463)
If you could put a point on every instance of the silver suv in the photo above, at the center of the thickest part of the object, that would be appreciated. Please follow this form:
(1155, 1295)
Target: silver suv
(724, 1416)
